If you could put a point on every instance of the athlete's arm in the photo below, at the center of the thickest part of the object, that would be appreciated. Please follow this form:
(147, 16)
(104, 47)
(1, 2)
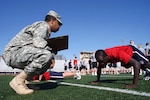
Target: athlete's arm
(98, 73)
(100, 66)
(136, 66)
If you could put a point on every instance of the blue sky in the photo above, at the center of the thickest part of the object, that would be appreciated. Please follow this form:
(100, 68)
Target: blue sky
(90, 24)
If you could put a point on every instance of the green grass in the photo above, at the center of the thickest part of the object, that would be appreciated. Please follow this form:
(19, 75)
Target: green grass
(53, 91)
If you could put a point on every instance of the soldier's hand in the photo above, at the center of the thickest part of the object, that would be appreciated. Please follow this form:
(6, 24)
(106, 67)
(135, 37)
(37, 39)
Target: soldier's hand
(54, 51)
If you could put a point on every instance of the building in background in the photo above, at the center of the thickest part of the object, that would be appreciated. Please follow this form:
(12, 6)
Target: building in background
(60, 57)
(86, 55)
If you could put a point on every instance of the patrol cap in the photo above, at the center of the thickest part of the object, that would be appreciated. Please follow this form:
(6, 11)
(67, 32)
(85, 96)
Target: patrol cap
(54, 14)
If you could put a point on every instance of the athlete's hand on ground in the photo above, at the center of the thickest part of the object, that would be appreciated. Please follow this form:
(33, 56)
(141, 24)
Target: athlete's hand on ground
(131, 86)
(95, 82)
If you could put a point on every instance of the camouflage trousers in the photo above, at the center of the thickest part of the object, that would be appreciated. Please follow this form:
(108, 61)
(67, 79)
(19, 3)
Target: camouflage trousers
(33, 61)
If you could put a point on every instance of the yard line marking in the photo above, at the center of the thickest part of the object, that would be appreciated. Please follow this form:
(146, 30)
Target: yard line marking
(105, 88)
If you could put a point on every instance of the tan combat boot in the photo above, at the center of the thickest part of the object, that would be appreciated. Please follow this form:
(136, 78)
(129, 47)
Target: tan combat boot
(18, 84)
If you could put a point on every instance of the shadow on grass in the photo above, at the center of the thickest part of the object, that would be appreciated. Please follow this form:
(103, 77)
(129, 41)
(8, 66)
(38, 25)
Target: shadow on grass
(115, 80)
(120, 81)
(43, 86)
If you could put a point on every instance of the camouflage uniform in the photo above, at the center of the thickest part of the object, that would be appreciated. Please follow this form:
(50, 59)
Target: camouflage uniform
(28, 50)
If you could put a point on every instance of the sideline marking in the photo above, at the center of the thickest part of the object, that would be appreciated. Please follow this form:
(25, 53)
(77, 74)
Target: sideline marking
(105, 88)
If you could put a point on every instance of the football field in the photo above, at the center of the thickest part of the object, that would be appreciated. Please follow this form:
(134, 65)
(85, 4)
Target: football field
(111, 88)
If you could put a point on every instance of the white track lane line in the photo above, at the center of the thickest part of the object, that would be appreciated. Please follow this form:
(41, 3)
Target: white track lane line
(105, 88)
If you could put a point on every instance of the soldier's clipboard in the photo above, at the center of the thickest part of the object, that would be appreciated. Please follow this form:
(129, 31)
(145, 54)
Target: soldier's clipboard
(58, 43)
